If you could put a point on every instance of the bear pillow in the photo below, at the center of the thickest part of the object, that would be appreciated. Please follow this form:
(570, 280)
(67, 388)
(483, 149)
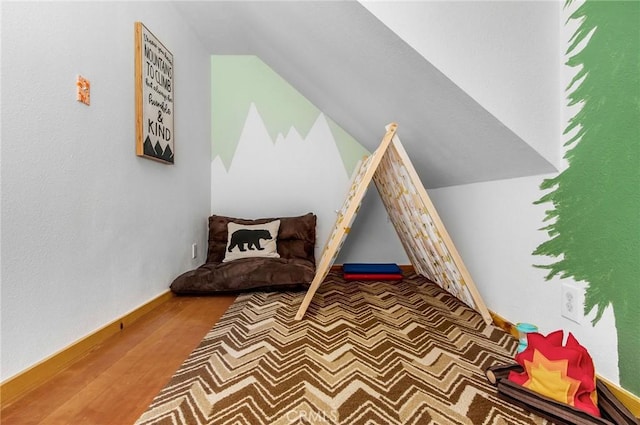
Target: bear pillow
(251, 240)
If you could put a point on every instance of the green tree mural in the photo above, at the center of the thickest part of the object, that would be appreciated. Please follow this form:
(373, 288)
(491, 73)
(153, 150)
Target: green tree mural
(595, 220)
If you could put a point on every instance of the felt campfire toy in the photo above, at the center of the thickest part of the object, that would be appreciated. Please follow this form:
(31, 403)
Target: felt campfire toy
(564, 373)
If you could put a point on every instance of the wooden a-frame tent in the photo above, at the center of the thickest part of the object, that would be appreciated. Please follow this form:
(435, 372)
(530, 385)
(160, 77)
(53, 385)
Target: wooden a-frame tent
(423, 236)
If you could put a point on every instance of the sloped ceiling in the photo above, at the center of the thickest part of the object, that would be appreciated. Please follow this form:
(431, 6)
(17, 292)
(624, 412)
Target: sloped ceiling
(363, 76)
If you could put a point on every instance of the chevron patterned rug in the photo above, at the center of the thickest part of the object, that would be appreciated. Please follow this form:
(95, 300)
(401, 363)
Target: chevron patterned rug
(366, 353)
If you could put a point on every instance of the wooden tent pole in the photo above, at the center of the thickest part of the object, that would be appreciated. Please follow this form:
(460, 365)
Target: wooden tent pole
(444, 235)
(419, 227)
(346, 216)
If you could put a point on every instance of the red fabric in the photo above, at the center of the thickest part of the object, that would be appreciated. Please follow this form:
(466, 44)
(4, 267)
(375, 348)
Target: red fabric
(563, 373)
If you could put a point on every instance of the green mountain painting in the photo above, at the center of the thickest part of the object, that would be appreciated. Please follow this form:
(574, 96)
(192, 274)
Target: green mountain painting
(237, 81)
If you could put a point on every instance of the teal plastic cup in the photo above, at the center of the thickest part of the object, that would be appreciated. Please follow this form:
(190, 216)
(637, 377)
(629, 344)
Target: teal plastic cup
(524, 329)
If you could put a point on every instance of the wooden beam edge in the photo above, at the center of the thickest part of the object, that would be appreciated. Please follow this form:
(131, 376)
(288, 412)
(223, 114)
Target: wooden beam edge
(631, 401)
(18, 385)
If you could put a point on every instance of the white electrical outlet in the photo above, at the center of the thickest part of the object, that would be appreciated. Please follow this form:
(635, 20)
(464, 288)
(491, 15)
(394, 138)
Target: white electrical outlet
(194, 250)
(572, 302)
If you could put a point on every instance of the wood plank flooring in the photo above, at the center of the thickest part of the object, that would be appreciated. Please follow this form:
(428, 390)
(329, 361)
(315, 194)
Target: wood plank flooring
(116, 381)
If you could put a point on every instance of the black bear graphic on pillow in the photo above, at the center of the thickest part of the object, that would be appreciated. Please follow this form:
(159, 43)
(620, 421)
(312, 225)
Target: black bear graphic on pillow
(250, 237)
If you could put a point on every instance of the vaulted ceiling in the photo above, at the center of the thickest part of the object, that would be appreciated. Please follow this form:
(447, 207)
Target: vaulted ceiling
(362, 75)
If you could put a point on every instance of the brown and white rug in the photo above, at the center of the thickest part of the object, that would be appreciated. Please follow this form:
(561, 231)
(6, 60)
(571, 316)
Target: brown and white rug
(366, 353)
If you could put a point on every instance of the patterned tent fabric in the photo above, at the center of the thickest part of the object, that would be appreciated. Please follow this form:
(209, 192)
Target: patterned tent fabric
(422, 233)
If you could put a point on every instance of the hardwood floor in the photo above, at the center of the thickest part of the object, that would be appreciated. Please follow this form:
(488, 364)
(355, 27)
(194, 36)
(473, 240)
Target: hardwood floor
(116, 381)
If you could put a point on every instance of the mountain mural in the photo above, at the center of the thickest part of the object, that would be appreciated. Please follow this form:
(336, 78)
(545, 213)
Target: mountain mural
(238, 81)
(292, 176)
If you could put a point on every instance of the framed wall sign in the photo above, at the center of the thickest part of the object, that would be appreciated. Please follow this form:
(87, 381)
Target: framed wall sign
(154, 97)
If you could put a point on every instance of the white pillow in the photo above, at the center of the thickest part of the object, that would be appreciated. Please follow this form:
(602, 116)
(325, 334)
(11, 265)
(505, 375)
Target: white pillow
(251, 240)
